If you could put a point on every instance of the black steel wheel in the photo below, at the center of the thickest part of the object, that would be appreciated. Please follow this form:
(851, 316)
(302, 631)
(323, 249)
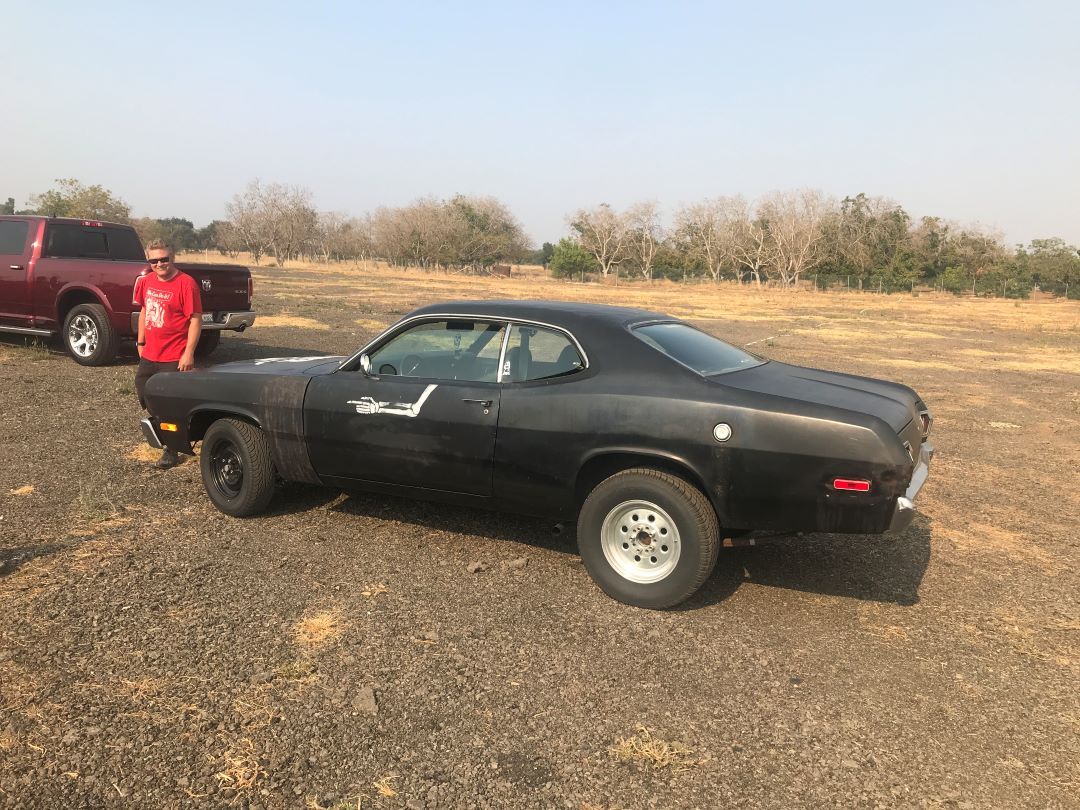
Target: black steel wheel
(237, 469)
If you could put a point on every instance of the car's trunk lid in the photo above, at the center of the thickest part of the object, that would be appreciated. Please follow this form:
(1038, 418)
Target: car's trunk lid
(893, 403)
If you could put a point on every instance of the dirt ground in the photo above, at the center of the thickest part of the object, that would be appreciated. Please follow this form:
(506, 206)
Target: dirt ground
(338, 652)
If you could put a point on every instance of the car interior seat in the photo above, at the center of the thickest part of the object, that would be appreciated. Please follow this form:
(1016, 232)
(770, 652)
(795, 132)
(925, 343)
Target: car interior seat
(519, 359)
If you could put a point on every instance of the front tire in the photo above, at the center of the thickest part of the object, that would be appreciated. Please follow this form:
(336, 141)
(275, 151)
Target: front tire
(89, 336)
(648, 538)
(237, 469)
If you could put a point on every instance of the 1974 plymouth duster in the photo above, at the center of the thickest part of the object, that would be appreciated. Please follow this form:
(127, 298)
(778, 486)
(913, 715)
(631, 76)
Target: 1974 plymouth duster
(658, 438)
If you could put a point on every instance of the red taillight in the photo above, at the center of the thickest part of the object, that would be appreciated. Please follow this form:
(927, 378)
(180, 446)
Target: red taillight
(926, 422)
(91, 224)
(251, 289)
(851, 484)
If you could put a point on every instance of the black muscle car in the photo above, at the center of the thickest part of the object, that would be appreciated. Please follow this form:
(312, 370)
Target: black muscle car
(660, 440)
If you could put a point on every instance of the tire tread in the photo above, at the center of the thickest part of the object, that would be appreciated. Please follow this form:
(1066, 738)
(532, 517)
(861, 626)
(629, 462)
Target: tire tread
(259, 470)
(708, 526)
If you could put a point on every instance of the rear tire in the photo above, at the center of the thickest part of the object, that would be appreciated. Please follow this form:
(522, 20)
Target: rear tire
(208, 341)
(89, 336)
(237, 469)
(648, 538)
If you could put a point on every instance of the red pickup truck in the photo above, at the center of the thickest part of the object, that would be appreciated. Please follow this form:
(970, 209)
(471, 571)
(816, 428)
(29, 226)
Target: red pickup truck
(77, 277)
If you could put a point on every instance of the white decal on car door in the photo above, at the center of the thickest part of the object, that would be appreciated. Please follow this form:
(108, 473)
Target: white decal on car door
(368, 405)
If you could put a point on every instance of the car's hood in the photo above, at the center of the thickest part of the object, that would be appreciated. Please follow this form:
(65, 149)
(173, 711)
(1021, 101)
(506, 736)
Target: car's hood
(311, 366)
(893, 403)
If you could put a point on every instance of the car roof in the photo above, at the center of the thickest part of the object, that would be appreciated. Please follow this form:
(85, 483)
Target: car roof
(65, 220)
(567, 314)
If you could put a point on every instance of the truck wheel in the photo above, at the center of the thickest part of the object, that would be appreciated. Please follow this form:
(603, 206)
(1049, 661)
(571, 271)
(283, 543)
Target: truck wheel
(648, 538)
(208, 341)
(89, 336)
(237, 469)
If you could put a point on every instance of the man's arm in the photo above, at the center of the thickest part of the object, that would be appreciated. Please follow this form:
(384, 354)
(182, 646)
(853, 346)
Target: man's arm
(194, 330)
(140, 339)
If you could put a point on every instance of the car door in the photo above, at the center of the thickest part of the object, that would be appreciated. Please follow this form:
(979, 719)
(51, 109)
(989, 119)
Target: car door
(14, 290)
(425, 416)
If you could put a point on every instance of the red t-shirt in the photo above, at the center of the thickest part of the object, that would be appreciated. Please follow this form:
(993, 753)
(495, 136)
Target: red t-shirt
(169, 307)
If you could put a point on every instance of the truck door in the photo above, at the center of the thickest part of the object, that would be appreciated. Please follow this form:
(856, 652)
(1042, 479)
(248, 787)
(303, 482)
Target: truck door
(14, 263)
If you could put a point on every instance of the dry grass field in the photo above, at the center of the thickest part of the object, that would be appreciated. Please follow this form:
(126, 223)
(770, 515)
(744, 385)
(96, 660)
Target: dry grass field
(339, 653)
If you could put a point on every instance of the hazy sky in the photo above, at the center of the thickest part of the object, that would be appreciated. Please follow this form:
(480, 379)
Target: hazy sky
(970, 111)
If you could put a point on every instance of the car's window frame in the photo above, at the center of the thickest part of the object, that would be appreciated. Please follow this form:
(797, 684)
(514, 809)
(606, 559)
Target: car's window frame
(632, 327)
(352, 363)
(502, 325)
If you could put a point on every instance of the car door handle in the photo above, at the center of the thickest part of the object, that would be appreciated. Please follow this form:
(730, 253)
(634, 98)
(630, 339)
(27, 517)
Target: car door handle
(483, 403)
(15, 267)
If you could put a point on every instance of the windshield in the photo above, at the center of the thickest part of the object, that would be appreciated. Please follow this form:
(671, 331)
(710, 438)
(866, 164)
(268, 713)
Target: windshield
(703, 353)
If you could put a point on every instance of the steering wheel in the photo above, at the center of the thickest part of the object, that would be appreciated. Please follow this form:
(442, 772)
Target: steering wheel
(409, 365)
(386, 368)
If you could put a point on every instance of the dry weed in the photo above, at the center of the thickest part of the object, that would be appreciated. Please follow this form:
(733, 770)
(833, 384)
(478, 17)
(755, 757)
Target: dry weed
(94, 505)
(384, 787)
(292, 320)
(23, 490)
(255, 715)
(144, 688)
(301, 669)
(242, 769)
(319, 629)
(648, 751)
(376, 589)
(8, 740)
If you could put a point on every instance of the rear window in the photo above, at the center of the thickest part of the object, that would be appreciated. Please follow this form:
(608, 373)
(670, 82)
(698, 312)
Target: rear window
(71, 241)
(124, 245)
(13, 236)
(703, 353)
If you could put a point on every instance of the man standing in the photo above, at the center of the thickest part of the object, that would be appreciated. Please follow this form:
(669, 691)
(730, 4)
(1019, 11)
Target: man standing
(170, 321)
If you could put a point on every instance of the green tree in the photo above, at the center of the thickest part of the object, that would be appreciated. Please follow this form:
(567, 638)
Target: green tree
(1053, 264)
(571, 260)
(70, 198)
(8, 207)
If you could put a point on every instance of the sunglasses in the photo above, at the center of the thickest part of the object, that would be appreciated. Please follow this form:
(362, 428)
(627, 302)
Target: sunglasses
(162, 260)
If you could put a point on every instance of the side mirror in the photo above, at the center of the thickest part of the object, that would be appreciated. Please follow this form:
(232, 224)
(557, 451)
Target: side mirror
(365, 366)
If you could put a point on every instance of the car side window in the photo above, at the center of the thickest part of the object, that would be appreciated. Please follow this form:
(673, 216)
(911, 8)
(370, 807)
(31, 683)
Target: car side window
(66, 241)
(447, 349)
(536, 353)
(13, 237)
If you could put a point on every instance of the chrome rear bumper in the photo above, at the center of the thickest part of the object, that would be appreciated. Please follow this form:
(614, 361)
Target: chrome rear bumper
(904, 511)
(213, 321)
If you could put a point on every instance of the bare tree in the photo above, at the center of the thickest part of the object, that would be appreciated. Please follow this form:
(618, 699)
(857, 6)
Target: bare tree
(749, 245)
(643, 232)
(602, 232)
(703, 231)
(794, 220)
(244, 218)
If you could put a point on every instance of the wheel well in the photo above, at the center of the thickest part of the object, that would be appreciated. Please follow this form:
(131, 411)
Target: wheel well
(201, 422)
(71, 299)
(598, 468)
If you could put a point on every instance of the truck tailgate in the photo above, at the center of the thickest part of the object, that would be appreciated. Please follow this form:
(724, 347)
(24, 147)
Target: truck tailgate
(223, 287)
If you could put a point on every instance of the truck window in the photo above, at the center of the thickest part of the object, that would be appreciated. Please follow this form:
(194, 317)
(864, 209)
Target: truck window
(124, 245)
(64, 241)
(13, 237)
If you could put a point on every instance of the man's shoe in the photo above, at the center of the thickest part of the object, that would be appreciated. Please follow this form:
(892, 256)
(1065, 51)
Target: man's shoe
(168, 459)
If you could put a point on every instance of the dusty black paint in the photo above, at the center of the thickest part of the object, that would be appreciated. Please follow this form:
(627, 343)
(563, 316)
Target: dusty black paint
(793, 429)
